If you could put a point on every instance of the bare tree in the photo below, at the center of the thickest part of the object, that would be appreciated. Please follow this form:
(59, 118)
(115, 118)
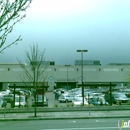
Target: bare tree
(33, 73)
(10, 14)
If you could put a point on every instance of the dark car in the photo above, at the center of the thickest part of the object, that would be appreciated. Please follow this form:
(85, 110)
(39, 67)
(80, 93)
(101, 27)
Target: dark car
(60, 90)
(98, 100)
(40, 101)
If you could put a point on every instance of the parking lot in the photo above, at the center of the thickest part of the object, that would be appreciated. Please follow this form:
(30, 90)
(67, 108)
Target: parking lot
(52, 102)
(92, 96)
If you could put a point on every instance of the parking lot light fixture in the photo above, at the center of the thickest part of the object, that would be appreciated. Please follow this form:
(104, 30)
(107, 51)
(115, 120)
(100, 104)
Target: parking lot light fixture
(82, 72)
(67, 74)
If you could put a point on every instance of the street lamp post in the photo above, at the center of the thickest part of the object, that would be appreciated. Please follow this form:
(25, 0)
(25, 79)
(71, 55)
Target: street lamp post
(82, 72)
(67, 74)
(51, 84)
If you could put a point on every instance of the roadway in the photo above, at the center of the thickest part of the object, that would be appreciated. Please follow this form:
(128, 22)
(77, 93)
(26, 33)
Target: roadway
(70, 124)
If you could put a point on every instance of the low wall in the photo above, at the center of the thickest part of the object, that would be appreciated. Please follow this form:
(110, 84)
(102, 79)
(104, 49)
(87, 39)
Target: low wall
(64, 109)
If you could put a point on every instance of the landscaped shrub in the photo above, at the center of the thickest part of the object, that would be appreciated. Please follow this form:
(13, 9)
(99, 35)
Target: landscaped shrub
(56, 105)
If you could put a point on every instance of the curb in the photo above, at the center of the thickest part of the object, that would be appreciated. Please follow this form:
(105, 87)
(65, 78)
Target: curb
(60, 118)
(67, 109)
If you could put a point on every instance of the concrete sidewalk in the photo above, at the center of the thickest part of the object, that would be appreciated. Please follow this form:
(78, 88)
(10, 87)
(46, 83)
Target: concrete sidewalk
(64, 115)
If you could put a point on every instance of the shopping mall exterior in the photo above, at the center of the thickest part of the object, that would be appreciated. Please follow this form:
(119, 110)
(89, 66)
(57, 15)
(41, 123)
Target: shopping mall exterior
(69, 76)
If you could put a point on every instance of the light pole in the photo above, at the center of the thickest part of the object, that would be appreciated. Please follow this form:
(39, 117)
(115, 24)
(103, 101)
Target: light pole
(67, 74)
(51, 80)
(82, 72)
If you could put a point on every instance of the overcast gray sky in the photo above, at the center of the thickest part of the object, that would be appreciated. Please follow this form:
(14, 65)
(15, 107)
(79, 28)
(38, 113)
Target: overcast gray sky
(63, 26)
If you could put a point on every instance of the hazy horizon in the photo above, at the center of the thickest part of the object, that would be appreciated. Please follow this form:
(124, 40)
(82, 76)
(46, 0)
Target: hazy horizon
(62, 27)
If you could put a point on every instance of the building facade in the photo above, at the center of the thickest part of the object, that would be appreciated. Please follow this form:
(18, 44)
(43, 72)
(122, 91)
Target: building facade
(67, 76)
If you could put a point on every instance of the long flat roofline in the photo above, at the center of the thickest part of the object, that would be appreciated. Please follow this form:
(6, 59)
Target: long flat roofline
(11, 63)
(118, 64)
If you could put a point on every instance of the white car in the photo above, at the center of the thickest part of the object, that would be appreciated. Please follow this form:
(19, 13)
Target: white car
(2, 93)
(78, 101)
(66, 98)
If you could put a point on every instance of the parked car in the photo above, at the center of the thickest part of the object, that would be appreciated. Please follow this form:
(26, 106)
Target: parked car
(26, 92)
(66, 98)
(6, 92)
(126, 92)
(20, 101)
(40, 100)
(117, 98)
(98, 100)
(60, 91)
(120, 97)
(78, 101)
(8, 98)
(88, 95)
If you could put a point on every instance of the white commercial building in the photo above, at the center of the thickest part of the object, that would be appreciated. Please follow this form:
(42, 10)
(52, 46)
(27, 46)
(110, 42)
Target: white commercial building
(68, 76)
